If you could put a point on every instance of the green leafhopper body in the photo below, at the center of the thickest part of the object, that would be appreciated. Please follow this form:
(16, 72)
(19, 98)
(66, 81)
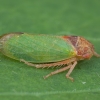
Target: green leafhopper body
(37, 48)
(46, 50)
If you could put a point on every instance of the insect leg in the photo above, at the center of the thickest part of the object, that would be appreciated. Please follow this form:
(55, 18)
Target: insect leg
(39, 65)
(70, 71)
(60, 63)
(30, 64)
(57, 71)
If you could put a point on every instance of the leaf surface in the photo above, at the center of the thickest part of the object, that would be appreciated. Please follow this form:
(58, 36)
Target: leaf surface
(59, 17)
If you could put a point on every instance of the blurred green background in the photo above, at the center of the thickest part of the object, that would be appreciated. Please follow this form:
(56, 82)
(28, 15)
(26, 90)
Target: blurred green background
(58, 17)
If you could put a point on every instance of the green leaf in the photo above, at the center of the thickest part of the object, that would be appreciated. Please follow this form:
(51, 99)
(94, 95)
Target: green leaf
(59, 17)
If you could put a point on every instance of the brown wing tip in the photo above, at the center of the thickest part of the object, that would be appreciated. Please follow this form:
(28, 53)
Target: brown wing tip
(6, 36)
(12, 33)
